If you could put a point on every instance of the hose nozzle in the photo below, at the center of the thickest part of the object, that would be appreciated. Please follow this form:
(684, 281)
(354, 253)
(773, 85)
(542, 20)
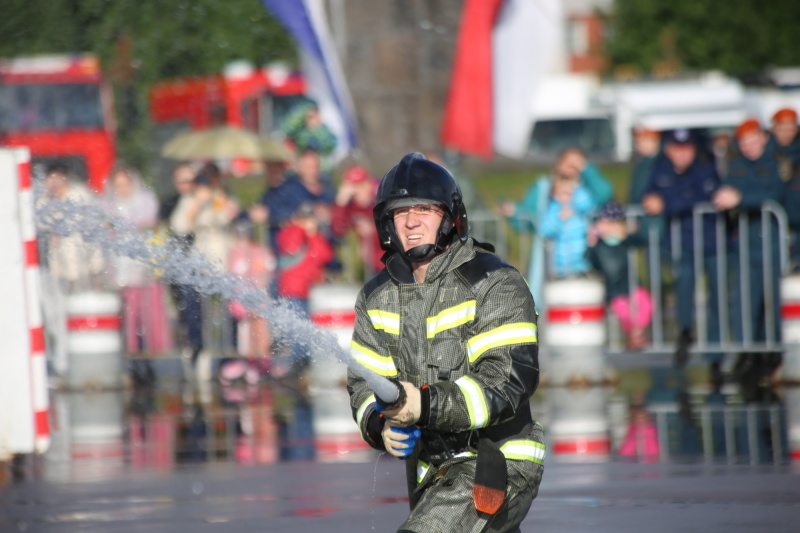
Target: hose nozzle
(399, 400)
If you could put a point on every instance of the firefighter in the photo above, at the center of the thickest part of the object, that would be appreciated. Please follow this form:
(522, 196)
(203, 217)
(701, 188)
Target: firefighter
(755, 177)
(455, 326)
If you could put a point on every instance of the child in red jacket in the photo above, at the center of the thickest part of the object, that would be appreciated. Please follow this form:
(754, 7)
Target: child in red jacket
(303, 253)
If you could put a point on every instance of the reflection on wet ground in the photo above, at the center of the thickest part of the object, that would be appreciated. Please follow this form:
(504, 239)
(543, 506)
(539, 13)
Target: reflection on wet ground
(170, 422)
(284, 455)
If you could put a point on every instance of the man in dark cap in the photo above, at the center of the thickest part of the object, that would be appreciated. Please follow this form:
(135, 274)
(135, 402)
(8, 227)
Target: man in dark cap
(682, 179)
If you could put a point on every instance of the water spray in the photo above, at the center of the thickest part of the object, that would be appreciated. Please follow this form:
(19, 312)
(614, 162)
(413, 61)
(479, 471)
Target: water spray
(177, 265)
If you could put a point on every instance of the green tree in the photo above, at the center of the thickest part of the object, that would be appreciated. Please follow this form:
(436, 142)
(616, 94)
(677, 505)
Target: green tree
(736, 37)
(145, 41)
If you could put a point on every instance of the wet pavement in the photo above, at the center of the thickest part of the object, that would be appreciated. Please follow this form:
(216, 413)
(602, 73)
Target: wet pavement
(347, 497)
(283, 455)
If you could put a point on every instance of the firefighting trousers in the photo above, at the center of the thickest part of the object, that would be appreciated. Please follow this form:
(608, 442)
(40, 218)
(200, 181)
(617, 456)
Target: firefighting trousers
(446, 506)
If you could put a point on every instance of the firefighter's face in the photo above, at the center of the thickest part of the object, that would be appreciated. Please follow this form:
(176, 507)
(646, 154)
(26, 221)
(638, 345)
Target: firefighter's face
(417, 225)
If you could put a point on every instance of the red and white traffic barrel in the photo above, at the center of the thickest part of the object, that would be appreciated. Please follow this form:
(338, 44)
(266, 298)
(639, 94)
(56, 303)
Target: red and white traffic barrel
(94, 340)
(332, 308)
(579, 428)
(336, 436)
(96, 426)
(790, 328)
(573, 335)
(24, 416)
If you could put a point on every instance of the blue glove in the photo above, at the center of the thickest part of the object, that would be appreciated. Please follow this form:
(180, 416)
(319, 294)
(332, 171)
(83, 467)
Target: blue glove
(413, 434)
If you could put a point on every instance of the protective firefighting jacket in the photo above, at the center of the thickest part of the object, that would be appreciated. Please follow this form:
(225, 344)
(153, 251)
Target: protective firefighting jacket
(468, 337)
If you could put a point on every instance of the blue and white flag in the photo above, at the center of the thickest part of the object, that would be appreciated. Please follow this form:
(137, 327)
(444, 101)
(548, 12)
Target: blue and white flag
(305, 21)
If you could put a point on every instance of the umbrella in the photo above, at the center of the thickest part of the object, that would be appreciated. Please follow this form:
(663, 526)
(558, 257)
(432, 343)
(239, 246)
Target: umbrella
(274, 150)
(215, 143)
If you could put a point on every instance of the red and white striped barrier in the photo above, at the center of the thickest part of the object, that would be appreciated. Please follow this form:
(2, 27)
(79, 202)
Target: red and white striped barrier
(94, 340)
(573, 332)
(24, 417)
(575, 312)
(579, 427)
(332, 308)
(790, 326)
(336, 436)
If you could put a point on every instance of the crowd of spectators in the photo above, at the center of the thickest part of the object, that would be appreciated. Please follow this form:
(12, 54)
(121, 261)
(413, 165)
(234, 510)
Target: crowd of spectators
(305, 216)
(729, 176)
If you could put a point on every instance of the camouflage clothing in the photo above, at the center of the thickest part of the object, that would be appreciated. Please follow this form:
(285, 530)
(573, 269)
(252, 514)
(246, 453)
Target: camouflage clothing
(469, 333)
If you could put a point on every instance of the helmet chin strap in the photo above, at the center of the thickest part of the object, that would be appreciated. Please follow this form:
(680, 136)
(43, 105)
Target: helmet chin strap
(420, 253)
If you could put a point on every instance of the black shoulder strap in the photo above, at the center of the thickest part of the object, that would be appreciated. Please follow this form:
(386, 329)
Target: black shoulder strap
(477, 269)
(376, 281)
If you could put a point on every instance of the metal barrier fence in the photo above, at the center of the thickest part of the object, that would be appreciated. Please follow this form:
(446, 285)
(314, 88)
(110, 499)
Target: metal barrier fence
(651, 265)
(655, 267)
(734, 434)
(732, 264)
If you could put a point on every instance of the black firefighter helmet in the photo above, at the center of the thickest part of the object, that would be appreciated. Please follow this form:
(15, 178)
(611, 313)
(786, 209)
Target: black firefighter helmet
(416, 179)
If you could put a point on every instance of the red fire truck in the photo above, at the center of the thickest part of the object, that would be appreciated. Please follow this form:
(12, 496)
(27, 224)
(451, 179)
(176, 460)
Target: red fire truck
(60, 108)
(257, 99)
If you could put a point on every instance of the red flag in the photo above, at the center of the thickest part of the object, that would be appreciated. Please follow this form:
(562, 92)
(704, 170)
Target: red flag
(468, 117)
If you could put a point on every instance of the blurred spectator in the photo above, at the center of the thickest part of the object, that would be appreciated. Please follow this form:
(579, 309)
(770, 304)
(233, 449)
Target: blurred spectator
(255, 263)
(75, 264)
(271, 207)
(647, 144)
(566, 222)
(525, 216)
(183, 181)
(609, 244)
(207, 213)
(305, 129)
(304, 252)
(785, 141)
(785, 144)
(187, 299)
(723, 150)
(70, 265)
(144, 309)
(681, 180)
(352, 209)
(755, 177)
(641, 438)
(306, 186)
